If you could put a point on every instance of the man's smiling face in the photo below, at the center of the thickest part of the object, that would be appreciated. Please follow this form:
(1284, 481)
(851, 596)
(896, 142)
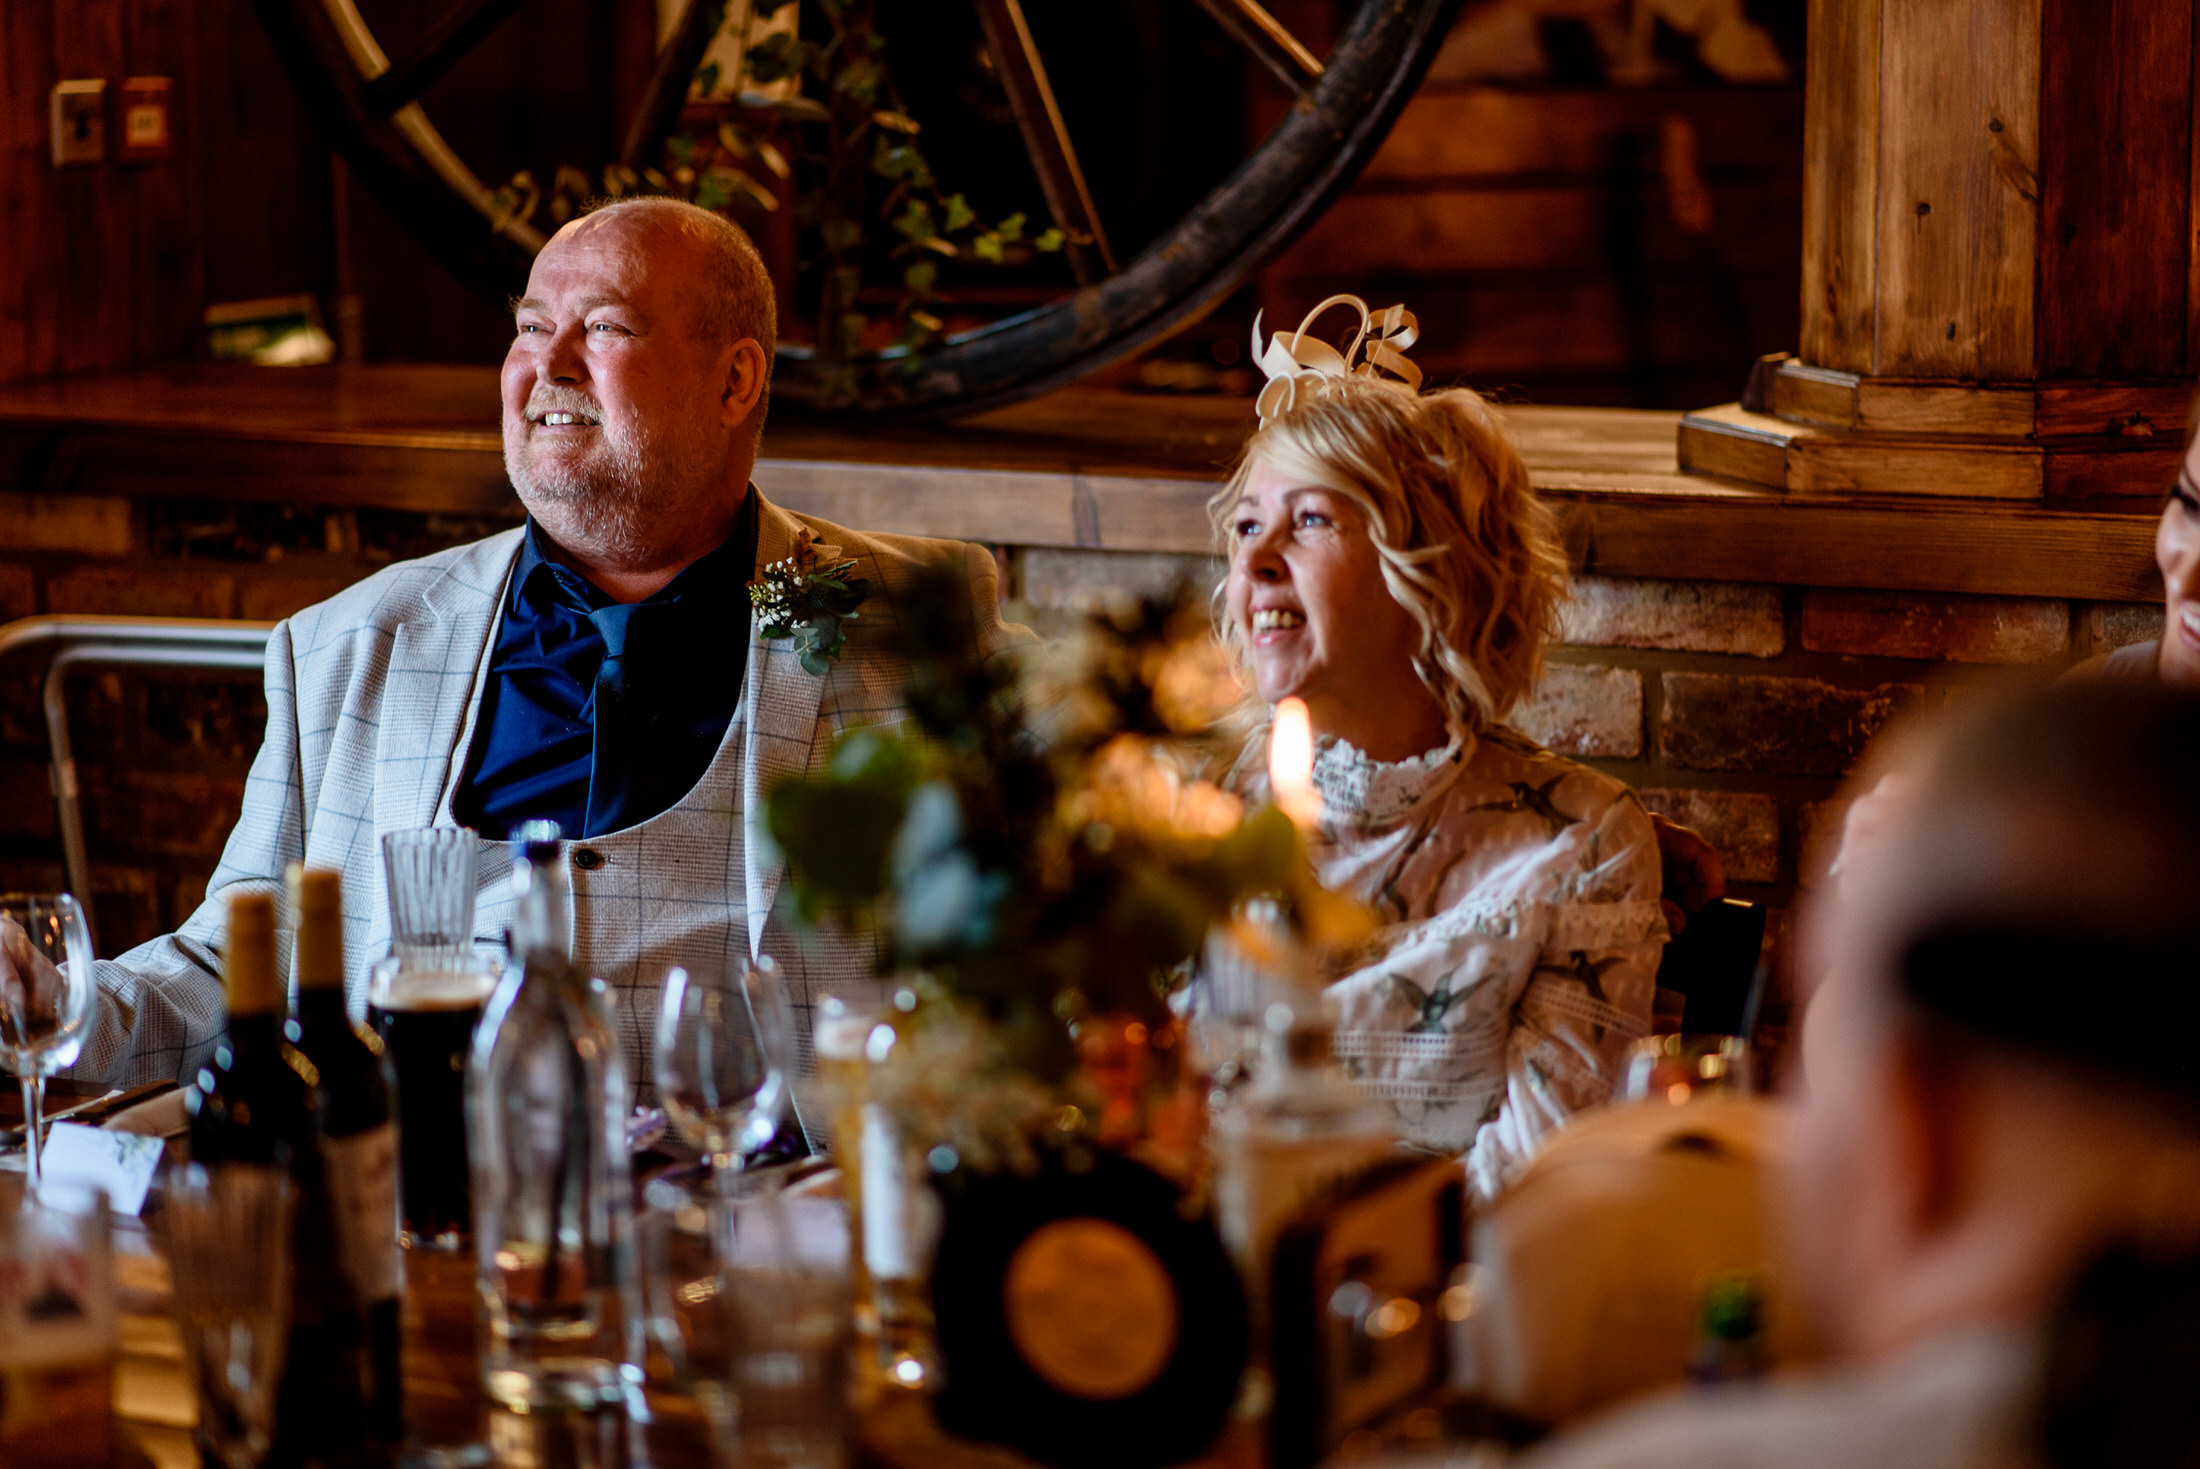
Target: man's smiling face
(613, 400)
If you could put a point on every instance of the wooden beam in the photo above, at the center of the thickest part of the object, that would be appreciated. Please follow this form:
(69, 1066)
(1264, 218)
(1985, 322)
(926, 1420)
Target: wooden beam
(1090, 469)
(1841, 185)
(1958, 197)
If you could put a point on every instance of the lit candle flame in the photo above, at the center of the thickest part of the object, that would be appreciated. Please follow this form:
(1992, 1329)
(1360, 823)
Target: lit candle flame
(1291, 764)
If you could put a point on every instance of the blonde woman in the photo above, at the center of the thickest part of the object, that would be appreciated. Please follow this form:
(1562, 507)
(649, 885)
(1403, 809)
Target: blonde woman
(1390, 567)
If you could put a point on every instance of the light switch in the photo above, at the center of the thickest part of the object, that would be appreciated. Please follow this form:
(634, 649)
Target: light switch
(79, 122)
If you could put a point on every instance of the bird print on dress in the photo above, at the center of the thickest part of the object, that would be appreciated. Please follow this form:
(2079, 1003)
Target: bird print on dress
(1433, 1009)
(1589, 972)
(1536, 799)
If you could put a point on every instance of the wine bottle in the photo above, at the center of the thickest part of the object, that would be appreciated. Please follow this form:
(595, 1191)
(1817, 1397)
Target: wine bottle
(251, 1103)
(358, 1137)
(553, 1210)
(255, 1104)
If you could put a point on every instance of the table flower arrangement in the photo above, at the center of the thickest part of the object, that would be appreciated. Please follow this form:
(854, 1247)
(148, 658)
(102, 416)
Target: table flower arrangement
(1043, 850)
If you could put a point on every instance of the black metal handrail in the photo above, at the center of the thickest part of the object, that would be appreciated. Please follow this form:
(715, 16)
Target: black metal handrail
(194, 643)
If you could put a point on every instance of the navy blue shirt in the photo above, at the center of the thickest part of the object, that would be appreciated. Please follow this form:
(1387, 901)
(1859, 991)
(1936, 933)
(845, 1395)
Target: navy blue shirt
(534, 743)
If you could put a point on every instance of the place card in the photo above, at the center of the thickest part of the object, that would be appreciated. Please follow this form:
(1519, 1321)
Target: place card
(79, 1159)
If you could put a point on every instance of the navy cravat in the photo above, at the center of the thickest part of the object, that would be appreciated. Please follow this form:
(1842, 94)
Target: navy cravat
(620, 791)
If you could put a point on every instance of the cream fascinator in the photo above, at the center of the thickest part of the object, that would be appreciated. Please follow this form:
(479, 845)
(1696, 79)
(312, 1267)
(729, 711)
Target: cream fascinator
(1296, 362)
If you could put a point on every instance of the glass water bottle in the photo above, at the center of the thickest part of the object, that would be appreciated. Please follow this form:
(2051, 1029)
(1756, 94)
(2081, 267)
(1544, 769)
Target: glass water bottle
(553, 1217)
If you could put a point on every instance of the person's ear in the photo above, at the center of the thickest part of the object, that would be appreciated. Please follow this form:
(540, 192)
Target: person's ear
(1932, 1146)
(746, 374)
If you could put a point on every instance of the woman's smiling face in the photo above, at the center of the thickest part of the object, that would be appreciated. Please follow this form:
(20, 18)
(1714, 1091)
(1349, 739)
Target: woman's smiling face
(2177, 552)
(1307, 597)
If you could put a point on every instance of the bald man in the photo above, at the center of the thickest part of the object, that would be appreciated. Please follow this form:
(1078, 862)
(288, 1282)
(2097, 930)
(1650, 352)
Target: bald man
(599, 666)
(2000, 1085)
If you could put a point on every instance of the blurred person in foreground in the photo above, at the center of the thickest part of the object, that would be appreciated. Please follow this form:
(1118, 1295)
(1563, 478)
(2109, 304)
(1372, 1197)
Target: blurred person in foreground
(607, 666)
(1999, 1087)
(1391, 567)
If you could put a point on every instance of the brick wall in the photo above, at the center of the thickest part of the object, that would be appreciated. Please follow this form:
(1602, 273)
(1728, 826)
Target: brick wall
(161, 756)
(1733, 708)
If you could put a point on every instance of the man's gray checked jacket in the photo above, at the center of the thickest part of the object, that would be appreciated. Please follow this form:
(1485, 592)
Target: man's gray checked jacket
(371, 700)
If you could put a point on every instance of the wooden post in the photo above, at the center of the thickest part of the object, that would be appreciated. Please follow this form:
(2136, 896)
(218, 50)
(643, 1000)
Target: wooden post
(2001, 293)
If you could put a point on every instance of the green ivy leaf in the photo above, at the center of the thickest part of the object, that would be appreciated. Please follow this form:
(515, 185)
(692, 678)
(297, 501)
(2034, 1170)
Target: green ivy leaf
(841, 233)
(775, 58)
(987, 247)
(1011, 228)
(897, 161)
(915, 221)
(858, 81)
(959, 213)
(1049, 242)
(921, 277)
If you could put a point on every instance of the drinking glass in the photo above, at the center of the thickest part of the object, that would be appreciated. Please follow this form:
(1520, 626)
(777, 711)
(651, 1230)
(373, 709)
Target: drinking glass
(1241, 974)
(57, 1338)
(46, 988)
(424, 1000)
(229, 1249)
(430, 870)
(784, 1288)
(722, 1062)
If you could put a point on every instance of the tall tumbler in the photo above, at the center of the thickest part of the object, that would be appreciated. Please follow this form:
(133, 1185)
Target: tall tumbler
(425, 1000)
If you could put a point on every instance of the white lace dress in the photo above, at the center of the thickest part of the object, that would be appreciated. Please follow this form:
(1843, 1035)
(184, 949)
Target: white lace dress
(1517, 956)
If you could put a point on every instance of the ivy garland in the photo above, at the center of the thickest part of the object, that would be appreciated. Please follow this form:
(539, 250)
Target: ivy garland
(852, 139)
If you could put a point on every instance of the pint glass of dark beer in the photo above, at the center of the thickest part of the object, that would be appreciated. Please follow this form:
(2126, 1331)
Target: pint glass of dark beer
(424, 1000)
(426, 1020)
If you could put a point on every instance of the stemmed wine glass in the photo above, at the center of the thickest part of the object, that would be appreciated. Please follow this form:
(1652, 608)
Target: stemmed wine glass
(722, 1062)
(46, 988)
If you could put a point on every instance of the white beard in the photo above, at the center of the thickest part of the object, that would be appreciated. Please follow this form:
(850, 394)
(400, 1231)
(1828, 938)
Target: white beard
(619, 500)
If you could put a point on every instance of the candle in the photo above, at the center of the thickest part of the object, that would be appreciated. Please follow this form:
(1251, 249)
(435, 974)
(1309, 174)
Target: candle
(1291, 764)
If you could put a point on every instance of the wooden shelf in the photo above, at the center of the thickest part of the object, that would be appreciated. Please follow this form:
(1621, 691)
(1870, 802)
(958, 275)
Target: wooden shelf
(1082, 468)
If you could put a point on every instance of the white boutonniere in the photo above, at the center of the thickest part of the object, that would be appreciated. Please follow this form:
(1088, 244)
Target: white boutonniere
(797, 597)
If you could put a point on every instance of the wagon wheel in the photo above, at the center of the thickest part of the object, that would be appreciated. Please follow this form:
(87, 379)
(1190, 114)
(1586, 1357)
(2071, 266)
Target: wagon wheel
(1344, 105)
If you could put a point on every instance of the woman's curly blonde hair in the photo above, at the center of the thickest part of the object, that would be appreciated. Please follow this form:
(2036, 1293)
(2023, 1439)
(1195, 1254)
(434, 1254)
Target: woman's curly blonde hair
(1465, 545)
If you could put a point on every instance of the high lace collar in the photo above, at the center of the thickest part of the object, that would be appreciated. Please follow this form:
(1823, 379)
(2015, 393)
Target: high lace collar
(1360, 792)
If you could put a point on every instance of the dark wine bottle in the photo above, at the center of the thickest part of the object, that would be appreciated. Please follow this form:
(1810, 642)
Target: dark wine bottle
(358, 1139)
(255, 1104)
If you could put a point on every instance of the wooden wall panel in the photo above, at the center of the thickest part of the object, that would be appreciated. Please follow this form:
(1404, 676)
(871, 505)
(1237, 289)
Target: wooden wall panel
(99, 265)
(1958, 226)
(1841, 185)
(2115, 124)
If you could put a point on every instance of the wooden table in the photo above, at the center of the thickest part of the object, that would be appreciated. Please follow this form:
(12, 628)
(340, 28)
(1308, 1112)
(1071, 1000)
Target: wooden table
(444, 1404)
